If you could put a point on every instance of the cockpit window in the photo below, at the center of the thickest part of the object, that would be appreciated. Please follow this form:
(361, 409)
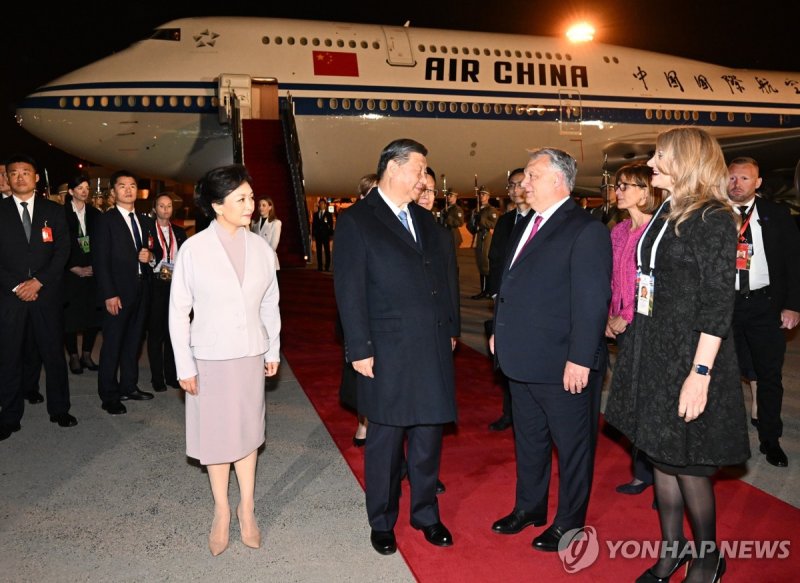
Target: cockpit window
(166, 34)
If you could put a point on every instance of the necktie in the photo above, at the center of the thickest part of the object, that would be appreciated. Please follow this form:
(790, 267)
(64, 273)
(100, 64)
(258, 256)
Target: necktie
(537, 220)
(403, 216)
(517, 218)
(26, 221)
(744, 274)
(137, 236)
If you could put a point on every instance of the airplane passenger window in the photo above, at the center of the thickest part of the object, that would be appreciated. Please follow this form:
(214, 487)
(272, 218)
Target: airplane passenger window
(668, 114)
(76, 102)
(442, 107)
(453, 107)
(371, 104)
(498, 109)
(464, 108)
(648, 114)
(616, 60)
(686, 116)
(340, 43)
(320, 103)
(433, 49)
(538, 55)
(118, 101)
(359, 104)
(568, 56)
(421, 48)
(444, 49)
(303, 41)
(465, 50)
(187, 101)
(376, 45)
(418, 105)
(395, 105)
(712, 116)
(528, 55)
(695, 116)
(290, 40)
(487, 52)
(509, 109)
(352, 44)
(264, 40)
(328, 42)
(315, 42)
(518, 54)
(487, 108)
(606, 60)
(429, 106)
(383, 105)
(406, 105)
(145, 101)
(731, 116)
(476, 51)
(558, 56)
(333, 103)
(104, 102)
(173, 101)
(215, 101)
(345, 103)
(160, 101)
(548, 55)
(131, 101)
(497, 53)
(90, 102)
(748, 117)
(659, 114)
(364, 44)
(455, 50)
(201, 101)
(278, 40)
(476, 108)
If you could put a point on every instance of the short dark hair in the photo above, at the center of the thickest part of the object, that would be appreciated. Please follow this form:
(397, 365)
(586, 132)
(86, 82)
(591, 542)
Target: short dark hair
(429, 171)
(77, 180)
(642, 175)
(399, 151)
(121, 174)
(516, 171)
(22, 159)
(218, 183)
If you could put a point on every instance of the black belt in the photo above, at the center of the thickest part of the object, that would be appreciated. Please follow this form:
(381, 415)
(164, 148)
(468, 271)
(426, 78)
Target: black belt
(762, 291)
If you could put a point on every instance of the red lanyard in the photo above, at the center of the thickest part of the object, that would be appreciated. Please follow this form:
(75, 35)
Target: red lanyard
(163, 241)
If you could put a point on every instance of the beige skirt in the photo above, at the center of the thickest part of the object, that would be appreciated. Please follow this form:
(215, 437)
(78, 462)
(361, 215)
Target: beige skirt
(226, 419)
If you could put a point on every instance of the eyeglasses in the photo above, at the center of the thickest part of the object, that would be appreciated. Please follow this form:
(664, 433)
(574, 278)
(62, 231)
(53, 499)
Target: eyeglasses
(623, 186)
(432, 191)
(514, 185)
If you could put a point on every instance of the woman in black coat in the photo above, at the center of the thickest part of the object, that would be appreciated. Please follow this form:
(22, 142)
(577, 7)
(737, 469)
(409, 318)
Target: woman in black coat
(81, 310)
(676, 392)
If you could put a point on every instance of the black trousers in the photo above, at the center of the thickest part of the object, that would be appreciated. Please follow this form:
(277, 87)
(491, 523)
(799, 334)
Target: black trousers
(383, 458)
(159, 345)
(545, 415)
(323, 245)
(761, 341)
(122, 340)
(43, 324)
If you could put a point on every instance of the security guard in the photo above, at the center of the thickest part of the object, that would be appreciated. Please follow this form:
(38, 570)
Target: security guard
(453, 217)
(482, 223)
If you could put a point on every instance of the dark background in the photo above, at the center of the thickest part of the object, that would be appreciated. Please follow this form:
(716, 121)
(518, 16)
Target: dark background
(38, 46)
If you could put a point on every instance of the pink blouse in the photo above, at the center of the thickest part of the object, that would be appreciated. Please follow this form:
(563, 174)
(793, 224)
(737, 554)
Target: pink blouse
(623, 277)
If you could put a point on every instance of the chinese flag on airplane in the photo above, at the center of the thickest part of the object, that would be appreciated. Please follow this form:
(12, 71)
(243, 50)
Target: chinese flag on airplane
(335, 63)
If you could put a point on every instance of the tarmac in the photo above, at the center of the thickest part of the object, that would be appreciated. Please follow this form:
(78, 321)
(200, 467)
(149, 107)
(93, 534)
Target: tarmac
(116, 498)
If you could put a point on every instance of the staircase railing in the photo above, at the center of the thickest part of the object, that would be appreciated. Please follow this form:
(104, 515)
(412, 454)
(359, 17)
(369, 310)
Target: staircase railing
(295, 161)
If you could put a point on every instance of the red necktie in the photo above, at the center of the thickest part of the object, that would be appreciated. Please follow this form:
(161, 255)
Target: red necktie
(537, 220)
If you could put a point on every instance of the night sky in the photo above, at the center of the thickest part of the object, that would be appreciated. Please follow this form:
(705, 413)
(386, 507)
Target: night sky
(36, 47)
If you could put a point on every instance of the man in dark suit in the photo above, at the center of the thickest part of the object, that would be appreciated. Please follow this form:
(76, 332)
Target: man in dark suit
(768, 296)
(159, 346)
(34, 246)
(321, 230)
(397, 293)
(550, 316)
(507, 222)
(126, 251)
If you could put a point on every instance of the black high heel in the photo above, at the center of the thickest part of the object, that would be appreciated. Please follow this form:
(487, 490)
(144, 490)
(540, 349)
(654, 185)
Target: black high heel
(650, 577)
(721, 566)
(359, 441)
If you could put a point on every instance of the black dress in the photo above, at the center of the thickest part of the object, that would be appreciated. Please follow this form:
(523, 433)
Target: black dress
(693, 293)
(81, 308)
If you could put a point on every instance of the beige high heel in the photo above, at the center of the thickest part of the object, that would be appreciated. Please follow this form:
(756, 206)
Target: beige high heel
(251, 538)
(217, 543)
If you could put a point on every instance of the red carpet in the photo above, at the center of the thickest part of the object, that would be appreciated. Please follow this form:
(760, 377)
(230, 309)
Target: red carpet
(478, 470)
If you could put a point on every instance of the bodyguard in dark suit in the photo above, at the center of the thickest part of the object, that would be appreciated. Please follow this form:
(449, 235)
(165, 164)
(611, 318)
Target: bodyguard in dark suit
(34, 247)
(506, 224)
(397, 293)
(550, 315)
(767, 299)
(126, 251)
(322, 230)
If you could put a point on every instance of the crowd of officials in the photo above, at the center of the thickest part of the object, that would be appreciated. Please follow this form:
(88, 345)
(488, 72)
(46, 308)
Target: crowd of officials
(695, 283)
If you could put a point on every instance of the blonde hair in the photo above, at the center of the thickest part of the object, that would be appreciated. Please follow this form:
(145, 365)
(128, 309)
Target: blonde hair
(694, 161)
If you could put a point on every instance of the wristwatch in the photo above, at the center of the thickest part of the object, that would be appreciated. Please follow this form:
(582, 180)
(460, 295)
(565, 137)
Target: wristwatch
(702, 369)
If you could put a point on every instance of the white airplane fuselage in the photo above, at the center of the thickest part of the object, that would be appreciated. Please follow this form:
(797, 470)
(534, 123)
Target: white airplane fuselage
(476, 100)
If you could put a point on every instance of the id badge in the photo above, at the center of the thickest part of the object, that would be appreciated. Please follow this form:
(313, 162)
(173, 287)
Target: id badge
(47, 234)
(83, 243)
(744, 253)
(645, 284)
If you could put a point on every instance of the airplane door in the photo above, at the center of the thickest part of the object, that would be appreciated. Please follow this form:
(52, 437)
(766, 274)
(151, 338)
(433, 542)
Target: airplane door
(398, 47)
(570, 113)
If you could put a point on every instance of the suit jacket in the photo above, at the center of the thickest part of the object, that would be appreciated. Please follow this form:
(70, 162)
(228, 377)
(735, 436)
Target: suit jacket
(77, 258)
(115, 258)
(322, 228)
(552, 305)
(230, 320)
(398, 302)
(20, 260)
(782, 250)
(499, 249)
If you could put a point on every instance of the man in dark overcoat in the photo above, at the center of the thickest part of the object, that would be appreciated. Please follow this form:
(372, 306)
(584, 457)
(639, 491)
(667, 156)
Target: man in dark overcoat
(397, 292)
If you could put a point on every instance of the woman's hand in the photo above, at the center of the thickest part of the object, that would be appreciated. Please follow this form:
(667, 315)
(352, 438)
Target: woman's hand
(693, 397)
(616, 325)
(189, 385)
(270, 369)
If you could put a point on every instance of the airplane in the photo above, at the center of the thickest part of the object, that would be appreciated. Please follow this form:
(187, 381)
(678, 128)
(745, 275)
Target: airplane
(163, 107)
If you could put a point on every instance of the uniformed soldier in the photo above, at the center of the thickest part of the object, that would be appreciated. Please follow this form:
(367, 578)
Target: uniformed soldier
(482, 223)
(453, 217)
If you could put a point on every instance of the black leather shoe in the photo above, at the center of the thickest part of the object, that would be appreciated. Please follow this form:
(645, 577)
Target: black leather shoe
(501, 424)
(775, 455)
(549, 539)
(632, 489)
(517, 520)
(6, 429)
(359, 441)
(114, 408)
(650, 577)
(64, 420)
(136, 395)
(383, 541)
(34, 397)
(159, 388)
(88, 363)
(437, 534)
(440, 489)
(75, 365)
(753, 421)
